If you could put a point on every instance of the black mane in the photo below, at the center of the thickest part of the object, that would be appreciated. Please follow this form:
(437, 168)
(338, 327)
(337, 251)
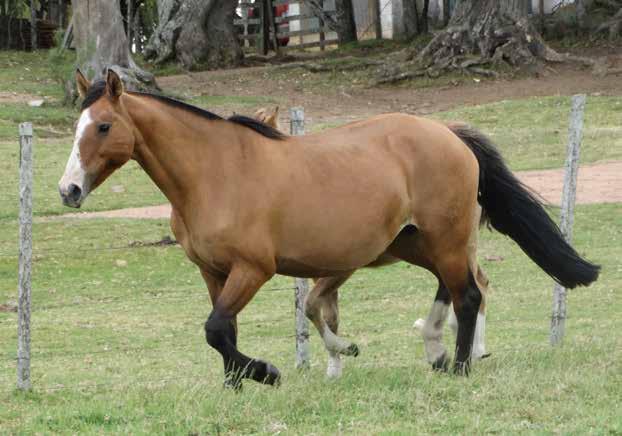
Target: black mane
(98, 88)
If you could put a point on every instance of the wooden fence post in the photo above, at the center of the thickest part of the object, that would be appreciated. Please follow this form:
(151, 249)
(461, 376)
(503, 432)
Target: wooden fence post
(25, 256)
(575, 133)
(303, 358)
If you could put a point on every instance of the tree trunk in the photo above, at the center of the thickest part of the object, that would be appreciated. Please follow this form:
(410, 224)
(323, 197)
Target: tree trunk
(483, 31)
(581, 15)
(33, 25)
(446, 13)
(195, 32)
(101, 43)
(480, 33)
(410, 18)
(346, 31)
(424, 17)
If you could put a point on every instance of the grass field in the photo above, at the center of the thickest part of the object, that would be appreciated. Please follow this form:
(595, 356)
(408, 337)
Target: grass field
(118, 344)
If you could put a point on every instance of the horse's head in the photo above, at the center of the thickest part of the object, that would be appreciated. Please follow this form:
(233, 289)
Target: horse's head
(104, 139)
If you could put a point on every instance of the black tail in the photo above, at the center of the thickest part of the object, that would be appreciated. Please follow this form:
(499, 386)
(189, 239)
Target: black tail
(516, 212)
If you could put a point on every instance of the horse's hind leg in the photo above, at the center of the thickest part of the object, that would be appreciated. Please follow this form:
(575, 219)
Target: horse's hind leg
(479, 341)
(479, 346)
(315, 303)
(466, 298)
(229, 297)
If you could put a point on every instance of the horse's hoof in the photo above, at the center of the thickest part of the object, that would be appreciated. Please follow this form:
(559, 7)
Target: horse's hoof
(352, 350)
(273, 376)
(233, 384)
(462, 368)
(266, 373)
(441, 364)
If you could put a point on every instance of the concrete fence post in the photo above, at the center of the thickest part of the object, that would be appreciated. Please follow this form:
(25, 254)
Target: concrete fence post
(303, 358)
(25, 256)
(575, 134)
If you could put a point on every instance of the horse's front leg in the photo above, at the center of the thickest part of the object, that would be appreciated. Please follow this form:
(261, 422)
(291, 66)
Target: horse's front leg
(229, 296)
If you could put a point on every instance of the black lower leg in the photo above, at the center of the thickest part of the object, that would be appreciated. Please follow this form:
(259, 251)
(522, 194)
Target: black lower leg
(220, 333)
(466, 315)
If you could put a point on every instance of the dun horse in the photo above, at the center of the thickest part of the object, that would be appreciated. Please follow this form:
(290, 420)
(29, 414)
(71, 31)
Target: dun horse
(249, 203)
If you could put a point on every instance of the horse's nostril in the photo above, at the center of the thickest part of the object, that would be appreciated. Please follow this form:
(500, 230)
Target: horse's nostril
(74, 192)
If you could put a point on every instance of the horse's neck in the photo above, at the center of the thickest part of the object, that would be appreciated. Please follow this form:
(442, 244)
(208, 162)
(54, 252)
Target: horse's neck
(168, 150)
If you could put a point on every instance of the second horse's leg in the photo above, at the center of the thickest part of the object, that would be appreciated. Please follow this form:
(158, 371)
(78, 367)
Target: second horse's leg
(330, 311)
(315, 303)
(432, 330)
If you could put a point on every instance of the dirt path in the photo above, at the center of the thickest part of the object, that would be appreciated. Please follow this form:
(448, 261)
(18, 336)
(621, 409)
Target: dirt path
(346, 103)
(598, 183)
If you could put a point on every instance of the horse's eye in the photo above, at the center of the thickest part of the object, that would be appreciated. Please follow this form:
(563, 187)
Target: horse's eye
(103, 128)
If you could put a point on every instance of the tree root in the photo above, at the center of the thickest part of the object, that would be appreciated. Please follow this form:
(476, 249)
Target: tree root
(470, 50)
(613, 26)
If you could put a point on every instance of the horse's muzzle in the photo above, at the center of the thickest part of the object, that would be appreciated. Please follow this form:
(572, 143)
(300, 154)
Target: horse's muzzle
(71, 196)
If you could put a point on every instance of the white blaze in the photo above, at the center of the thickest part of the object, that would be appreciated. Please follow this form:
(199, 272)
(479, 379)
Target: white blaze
(74, 171)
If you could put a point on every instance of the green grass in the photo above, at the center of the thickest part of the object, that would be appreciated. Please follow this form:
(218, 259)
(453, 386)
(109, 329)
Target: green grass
(232, 102)
(49, 121)
(50, 157)
(118, 346)
(533, 133)
(24, 72)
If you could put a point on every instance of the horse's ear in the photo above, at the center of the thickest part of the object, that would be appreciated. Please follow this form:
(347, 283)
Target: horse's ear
(273, 119)
(82, 83)
(114, 85)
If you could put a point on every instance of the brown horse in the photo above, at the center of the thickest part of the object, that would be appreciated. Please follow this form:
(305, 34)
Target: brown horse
(249, 203)
(327, 307)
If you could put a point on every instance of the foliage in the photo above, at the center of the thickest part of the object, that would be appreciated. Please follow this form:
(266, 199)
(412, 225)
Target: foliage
(15, 8)
(62, 64)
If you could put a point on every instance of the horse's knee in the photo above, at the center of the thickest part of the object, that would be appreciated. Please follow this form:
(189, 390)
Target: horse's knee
(310, 307)
(332, 318)
(219, 331)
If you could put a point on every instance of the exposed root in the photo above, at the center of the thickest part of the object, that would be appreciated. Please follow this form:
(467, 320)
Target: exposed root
(344, 64)
(613, 26)
(478, 49)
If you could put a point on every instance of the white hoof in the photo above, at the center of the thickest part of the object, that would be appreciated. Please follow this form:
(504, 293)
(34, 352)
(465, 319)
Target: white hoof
(335, 366)
(419, 324)
(478, 352)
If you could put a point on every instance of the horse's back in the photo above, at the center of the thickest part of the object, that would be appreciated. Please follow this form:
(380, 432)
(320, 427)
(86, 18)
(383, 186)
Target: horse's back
(361, 183)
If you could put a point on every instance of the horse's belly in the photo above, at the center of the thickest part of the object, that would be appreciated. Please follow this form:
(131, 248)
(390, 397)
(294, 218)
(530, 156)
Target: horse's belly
(296, 268)
(317, 250)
